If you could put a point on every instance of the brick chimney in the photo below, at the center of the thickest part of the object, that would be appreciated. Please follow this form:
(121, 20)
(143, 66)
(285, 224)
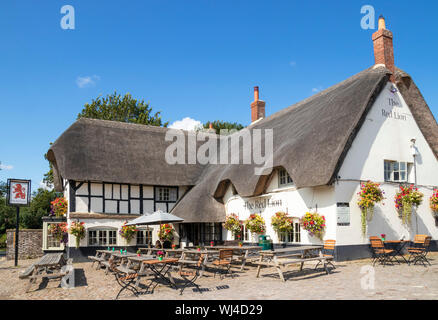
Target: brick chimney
(257, 107)
(383, 48)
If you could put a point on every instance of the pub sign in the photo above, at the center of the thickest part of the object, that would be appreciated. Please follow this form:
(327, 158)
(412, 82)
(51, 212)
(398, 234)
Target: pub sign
(18, 192)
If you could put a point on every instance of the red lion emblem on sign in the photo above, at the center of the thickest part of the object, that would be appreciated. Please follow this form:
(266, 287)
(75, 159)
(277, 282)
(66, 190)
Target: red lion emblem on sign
(20, 191)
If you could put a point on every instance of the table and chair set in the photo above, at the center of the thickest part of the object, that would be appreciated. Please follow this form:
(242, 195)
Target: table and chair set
(389, 251)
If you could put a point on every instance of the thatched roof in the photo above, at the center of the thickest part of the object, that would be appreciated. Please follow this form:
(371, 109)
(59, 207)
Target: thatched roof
(111, 151)
(311, 140)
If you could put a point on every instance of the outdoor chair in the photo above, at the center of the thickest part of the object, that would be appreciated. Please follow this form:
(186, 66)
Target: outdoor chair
(328, 252)
(224, 261)
(191, 275)
(419, 250)
(379, 252)
(125, 277)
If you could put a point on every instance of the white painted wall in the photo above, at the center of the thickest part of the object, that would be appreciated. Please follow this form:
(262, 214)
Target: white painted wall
(294, 202)
(386, 138)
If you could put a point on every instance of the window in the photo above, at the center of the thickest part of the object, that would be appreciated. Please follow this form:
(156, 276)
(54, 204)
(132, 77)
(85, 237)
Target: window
(293, 236)
(395, 171)
(144, 237)
(283, 178)
(211, 231)
(50, 243)
(166, 194)
(102, 237)
(244, 233)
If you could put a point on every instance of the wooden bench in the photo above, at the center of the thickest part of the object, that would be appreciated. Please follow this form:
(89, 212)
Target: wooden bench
(290, 255)
(54, 265)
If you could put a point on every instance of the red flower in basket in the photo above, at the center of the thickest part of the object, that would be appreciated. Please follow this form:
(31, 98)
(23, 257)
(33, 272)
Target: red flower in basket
(383, 236)
(211, 243)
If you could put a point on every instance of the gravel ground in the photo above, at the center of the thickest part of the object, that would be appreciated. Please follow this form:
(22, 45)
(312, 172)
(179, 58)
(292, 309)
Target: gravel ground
(350, 280)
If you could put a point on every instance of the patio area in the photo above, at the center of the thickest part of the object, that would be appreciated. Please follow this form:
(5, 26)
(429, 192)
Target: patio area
(348, 281)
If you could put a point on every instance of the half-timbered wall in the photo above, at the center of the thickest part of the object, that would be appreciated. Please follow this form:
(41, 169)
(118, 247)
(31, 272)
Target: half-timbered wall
(116, 198)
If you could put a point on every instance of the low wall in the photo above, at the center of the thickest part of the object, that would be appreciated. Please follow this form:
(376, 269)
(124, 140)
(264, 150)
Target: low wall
(30, 244)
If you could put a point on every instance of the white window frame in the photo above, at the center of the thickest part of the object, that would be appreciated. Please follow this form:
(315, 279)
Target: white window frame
(391, 169)
(284, 175)
(46, 235)
(166, 194)
(291, 237)
(147, 236)
(107, 236)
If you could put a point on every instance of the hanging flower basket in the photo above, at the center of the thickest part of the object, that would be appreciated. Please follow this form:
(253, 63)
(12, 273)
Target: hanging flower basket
(166, 232)
(78, 230)
(232, 224)
(314, 224)
(404, 199)
(433, 202)
(59, 231)
(127, 232)
(58, 207)
(370, 194)
(281, 222)
(256, 224)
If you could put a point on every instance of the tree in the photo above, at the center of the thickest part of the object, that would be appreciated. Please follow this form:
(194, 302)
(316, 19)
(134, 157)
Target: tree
(48, 176)
(218, 125)
(114, 107)
(30, 217)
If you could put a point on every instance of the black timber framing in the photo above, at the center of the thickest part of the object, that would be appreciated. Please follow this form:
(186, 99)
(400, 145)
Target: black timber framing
(119, 199)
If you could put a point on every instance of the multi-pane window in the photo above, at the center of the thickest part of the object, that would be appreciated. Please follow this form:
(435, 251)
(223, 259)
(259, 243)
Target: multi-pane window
(166, 194)
(144, 236)
(283, 178)
(102, 237)
(293, 236)
(396, 171)
(244, 233)
(211, 231)
(51, 241)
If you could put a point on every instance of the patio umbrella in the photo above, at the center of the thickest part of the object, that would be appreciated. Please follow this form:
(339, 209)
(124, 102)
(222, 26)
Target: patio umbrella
(158, 217)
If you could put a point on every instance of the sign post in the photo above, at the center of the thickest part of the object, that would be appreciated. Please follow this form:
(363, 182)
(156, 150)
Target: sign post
(18, 196)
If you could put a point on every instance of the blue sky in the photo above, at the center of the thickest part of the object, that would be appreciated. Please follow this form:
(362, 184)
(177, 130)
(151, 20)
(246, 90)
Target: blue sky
(188, 58)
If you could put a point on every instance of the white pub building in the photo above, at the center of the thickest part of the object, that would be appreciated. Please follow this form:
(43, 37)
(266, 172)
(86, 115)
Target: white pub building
(373, 126)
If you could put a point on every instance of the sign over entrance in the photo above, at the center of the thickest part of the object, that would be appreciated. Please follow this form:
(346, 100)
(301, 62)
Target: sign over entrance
(18, 192)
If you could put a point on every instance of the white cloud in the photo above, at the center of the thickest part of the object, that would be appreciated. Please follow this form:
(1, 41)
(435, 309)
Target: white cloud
(315, 90)
(6, 167)
(44, 186)
(88, 81)
(187, 123)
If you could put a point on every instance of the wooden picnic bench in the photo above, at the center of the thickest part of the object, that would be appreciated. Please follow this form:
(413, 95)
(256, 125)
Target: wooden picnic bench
(50, 266)
(292, 255)
(244, 254)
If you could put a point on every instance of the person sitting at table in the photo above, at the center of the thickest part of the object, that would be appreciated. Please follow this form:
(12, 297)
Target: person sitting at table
(158, 244)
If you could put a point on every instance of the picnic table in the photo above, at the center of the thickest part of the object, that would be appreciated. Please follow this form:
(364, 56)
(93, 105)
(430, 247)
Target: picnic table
(50, 266)
(291, 255)
(167, 252)
(244, 253)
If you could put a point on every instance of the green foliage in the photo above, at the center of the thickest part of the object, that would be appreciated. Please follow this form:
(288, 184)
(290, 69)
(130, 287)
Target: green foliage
(3, 240)
(218, 125)
(7, 216)
(114, 107)
(48, 177)
(30, 217)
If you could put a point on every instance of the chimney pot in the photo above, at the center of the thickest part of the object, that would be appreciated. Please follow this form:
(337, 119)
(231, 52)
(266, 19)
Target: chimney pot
(382, 25)
(383, 47)
(257, 106)
(256, 93)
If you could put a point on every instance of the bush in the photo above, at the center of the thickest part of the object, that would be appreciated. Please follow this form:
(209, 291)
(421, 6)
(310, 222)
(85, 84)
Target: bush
(3, 240)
